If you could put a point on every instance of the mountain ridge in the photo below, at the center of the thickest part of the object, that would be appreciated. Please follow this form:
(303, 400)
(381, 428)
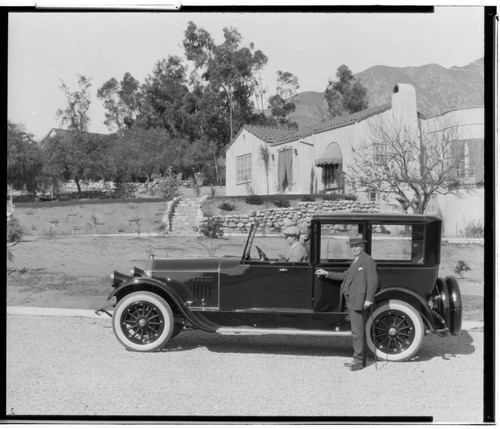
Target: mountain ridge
(438, 89)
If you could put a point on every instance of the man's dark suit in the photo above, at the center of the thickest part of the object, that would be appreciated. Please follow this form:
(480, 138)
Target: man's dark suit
(360, 283)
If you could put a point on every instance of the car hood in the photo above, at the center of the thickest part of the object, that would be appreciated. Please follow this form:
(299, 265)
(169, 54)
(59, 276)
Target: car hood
(200, 264)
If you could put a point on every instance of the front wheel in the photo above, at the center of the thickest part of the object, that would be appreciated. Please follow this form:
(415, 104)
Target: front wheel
(395, 331)
(143, 322)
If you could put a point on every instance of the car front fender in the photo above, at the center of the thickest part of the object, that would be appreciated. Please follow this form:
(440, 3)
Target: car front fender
(167, 292)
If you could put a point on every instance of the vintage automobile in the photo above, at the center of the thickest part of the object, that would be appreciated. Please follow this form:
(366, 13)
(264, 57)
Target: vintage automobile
(262, 295)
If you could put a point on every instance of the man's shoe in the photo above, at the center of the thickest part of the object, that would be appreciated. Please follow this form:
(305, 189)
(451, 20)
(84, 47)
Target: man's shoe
(358, 366)
(349, 364)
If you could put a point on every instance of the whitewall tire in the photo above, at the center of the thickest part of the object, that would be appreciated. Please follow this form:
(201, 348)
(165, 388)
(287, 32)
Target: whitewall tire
(395, 331)
(143, 322)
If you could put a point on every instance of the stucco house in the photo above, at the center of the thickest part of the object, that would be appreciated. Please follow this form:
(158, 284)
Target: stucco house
(315, 159)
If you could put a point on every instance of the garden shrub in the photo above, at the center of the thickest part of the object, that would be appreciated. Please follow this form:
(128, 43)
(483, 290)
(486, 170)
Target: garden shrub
(14, 230)
(227, 206)
(338, 197)
(474, 229)
(168, 184)
(332, 197)
(307, 198)
(212, 227)
(282, 203)
(255, 200)
(124, 190)
(461, 268)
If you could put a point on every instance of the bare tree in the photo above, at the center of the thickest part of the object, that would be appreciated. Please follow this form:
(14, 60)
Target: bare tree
(407, 163)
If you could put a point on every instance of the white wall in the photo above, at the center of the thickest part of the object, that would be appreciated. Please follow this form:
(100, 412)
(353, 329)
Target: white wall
(468, 122)
(245, 143)
(458, 212)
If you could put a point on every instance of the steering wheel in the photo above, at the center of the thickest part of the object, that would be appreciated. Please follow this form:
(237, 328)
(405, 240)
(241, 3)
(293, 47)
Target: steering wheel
(262, 255)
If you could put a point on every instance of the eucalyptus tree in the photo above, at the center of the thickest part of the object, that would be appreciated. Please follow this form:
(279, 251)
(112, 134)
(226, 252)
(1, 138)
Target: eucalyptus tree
(163, 97)
(75, 114)
(227, 70)
(345, 95)
(121, 102)
(282, 104)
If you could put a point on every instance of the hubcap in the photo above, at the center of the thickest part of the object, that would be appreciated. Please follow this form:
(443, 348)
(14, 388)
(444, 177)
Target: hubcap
(142, 322)
(394, 332)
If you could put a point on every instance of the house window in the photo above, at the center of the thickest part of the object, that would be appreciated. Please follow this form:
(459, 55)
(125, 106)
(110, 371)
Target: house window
(374, 196)
(330, 173)
(380, 155)
(432, 205)
(244, 168)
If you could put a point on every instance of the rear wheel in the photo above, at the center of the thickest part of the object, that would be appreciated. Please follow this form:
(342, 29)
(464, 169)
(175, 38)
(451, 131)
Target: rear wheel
(395, 331)
(143, 322)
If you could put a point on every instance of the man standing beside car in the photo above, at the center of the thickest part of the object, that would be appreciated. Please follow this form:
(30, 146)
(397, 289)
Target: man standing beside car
(360, 282)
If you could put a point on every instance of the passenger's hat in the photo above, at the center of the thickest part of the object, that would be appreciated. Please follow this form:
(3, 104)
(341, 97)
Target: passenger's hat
(292, 230)
(354, 241)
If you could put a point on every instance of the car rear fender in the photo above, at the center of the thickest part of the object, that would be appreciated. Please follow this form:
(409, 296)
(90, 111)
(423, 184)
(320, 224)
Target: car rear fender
(415, 301)
(168, 293)
(447, 302)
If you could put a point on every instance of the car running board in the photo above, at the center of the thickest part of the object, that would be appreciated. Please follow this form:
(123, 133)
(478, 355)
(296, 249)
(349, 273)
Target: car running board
(263, 331)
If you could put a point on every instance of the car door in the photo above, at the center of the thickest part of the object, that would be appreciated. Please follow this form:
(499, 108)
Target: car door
(270, 284)
(333, 254)
(301, 286)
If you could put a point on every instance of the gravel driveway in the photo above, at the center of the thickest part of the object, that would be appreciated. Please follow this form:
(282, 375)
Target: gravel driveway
(75, 366)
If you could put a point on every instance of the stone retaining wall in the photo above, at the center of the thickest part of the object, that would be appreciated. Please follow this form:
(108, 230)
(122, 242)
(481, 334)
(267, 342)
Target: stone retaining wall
(274, 220)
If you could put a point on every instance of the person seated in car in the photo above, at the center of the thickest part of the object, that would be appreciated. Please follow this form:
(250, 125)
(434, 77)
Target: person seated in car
(297, 252)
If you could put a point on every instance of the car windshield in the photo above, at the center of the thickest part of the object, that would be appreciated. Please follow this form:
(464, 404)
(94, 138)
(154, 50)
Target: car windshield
(274, 245)
(248, 245)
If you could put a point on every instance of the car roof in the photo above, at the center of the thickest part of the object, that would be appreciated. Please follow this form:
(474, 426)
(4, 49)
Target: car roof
(379, 217)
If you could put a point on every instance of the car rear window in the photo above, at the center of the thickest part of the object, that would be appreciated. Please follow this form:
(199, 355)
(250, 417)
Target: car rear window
(400, 243)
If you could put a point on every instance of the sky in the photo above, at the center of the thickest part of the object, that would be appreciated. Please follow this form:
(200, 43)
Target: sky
(45, 48)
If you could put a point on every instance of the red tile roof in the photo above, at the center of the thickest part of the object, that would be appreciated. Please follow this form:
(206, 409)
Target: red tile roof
(269, 134)
(277, 135)
(334, 123)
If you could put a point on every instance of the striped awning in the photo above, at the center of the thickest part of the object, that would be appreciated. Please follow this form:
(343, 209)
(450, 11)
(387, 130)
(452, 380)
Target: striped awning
(332, 156)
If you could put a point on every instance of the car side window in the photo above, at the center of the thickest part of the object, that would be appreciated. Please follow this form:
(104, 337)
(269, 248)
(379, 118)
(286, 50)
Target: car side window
(334, 241)
(399, 243)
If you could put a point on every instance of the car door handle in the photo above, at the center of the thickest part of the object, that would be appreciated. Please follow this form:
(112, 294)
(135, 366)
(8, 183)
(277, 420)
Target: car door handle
(284, 270)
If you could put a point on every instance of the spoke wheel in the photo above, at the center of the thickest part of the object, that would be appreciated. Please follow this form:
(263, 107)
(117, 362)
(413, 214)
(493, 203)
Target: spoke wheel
(395, 332)
(143, 321)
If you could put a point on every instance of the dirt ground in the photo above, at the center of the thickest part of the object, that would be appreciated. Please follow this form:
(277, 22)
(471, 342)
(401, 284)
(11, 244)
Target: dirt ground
(73, 271)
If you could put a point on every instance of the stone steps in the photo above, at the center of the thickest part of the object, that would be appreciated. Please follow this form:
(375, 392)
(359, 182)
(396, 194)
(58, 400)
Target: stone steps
(187, 216)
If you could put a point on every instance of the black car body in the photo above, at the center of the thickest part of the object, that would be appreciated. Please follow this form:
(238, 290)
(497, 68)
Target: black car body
(258, 295)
